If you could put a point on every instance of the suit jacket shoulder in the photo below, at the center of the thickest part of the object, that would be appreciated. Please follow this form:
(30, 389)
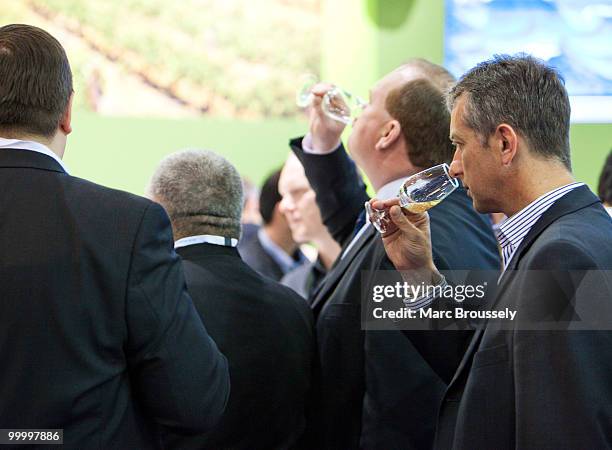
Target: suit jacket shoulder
(253, 253)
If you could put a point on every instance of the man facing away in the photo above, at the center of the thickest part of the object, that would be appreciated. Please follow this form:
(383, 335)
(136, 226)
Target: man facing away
(263, 328)
(542, 380)
(368, 397)
(299, 206)
(98, 335)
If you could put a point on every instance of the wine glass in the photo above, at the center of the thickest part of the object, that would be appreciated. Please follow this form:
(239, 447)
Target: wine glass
(418, 193)
(337, 103)
(304, 95)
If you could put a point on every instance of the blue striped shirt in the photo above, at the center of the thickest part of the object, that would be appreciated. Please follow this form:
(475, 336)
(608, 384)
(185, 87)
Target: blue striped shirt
(514, 229)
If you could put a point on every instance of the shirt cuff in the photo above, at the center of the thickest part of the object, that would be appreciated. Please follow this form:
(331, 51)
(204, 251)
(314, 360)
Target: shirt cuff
(307, 147)
(426, 300)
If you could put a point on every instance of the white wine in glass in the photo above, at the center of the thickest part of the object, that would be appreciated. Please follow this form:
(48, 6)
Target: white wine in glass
(418, 193)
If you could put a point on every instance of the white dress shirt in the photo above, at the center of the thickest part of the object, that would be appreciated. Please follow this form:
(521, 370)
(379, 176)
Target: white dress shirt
(206, 239)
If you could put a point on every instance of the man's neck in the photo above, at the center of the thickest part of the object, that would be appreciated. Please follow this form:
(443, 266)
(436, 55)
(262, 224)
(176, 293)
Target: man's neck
(530, 187)
(56, 144)
(390, 169)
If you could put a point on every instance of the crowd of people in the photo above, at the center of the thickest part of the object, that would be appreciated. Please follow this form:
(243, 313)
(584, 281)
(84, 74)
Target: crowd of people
(169, 322)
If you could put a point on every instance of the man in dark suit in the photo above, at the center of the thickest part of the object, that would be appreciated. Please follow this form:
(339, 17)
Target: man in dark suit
(542, 379)
(368, 399)
(98, 335)
(264, 329)
(271, 251)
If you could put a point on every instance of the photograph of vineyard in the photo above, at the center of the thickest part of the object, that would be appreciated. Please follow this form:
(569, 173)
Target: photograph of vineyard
(238, 59)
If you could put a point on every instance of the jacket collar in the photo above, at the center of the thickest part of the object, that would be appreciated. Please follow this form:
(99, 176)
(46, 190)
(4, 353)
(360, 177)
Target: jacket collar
(579, 198)
(197, 251)
(17, 158)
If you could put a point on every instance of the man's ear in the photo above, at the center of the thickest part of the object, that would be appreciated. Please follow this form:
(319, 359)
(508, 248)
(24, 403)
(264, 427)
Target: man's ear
(390, 134)
(66, 120)
(507, 142)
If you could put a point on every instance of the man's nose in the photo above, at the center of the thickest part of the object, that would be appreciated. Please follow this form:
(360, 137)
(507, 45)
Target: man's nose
(456, 168)
(284, 206)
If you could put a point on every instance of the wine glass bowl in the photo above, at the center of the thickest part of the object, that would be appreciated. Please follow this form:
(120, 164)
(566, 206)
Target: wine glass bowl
(337, 103)
(341, 105)
(418, 193)
(303, 97)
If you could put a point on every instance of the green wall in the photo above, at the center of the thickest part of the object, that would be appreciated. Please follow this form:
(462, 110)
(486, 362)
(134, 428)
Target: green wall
(123, 152)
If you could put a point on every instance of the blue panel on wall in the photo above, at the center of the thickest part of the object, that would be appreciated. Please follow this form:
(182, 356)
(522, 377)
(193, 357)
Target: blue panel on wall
(575, 36)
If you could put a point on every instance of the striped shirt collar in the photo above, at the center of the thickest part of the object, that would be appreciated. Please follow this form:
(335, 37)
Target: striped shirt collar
(514, 229)
(16, 144)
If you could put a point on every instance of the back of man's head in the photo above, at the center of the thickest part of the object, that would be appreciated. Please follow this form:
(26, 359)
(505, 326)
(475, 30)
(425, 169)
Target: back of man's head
(520, 91)
(201, 192)
(604, 188)
(418, 105)
(269, 197)
(35, 82)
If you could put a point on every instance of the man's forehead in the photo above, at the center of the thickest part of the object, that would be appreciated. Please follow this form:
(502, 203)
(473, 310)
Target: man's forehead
(457, 116)
(292, 176)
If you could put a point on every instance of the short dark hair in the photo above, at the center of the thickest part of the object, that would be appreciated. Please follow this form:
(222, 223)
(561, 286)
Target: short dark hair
(269, 196)
(35, 81)
(523, 92)
(419, 107)
(604, 190)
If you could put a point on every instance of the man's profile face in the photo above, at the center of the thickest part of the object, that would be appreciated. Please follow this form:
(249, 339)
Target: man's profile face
(299, 202)
(368, 127)
(474, 163)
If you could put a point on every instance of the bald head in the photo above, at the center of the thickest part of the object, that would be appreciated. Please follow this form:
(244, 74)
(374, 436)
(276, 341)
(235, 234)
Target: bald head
(434, 73)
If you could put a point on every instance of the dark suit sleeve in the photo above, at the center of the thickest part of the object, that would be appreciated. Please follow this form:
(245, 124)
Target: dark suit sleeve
(340, 190)
(178, 373)
(562, 378)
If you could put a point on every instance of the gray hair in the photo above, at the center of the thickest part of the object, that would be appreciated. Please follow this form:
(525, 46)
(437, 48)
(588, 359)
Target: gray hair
(523, 92)
(201, 192)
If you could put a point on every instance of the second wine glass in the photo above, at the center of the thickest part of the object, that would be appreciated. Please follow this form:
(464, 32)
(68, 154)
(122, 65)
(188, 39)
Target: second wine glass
(418, 193)
(337, 103)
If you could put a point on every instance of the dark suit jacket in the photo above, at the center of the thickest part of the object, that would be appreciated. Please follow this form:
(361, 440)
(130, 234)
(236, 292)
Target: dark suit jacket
(98, 335)
(266, 332)
(370, 395)
(542, 389)
(304, 279)
(253, 253)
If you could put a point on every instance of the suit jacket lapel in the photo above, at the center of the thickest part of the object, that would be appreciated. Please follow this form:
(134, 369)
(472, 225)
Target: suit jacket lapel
(341, 266)
(571, 202)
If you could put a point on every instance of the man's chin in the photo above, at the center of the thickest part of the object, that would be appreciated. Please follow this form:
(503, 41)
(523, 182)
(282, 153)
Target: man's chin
(481, 207)
(299, 237)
